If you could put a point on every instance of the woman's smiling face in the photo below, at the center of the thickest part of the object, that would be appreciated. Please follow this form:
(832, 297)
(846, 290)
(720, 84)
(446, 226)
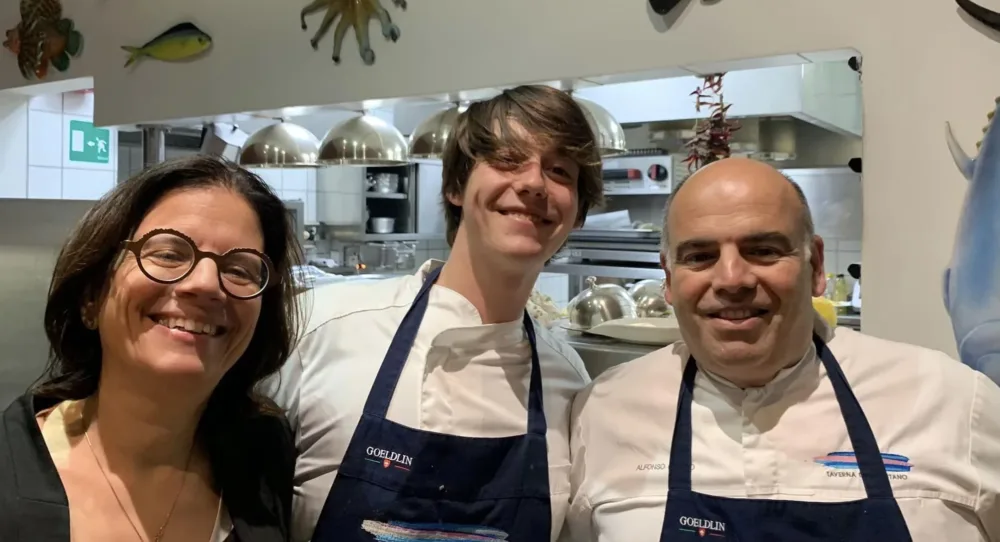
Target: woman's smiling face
(138, 317)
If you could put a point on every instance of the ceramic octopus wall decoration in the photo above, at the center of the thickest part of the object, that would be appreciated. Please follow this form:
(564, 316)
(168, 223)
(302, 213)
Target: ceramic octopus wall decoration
(356, 14)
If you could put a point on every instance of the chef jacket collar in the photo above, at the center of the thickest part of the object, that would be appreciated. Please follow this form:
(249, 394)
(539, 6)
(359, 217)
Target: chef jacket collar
(475, 335)
(810, 358)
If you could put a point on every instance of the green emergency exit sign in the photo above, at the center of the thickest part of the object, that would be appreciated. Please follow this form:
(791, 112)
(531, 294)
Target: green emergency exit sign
(89, 144)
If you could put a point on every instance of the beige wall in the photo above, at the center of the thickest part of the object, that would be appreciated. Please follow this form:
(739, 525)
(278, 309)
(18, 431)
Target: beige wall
(923, 65)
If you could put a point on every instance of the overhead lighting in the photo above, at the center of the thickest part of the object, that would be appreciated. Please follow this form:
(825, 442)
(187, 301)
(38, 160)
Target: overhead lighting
(431, 137)
(364, 141)
(280, 145)
(608, 132)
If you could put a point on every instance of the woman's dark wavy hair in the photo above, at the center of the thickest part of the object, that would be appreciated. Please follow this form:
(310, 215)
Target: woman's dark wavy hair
(94, 250)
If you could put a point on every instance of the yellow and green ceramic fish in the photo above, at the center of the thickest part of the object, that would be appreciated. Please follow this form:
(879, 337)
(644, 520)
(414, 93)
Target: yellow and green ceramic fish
(181, 42)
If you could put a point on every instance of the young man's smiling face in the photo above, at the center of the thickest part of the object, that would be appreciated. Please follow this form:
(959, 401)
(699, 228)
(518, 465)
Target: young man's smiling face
(524, 213)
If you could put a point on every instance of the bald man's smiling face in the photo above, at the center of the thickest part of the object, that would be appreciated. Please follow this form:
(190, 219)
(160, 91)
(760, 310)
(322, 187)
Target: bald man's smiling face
(742, 273)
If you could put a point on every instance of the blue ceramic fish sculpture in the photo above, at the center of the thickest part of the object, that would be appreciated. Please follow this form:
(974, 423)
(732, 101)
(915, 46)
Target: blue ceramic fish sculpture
(972, 280)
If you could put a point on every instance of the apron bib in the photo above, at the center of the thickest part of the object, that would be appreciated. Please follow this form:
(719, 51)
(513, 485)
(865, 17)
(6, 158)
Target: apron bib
(696, 516)
(399, 484)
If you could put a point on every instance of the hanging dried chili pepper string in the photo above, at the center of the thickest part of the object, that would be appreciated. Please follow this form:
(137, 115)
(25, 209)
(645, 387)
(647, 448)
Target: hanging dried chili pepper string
(712, 135)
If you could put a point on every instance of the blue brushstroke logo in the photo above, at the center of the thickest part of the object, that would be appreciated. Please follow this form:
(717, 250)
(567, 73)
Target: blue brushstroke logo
(395, 531)
(847, 461)
(972, 280)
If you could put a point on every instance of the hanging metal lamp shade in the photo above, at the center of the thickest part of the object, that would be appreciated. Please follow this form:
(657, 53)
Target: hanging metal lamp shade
(429, 139)
(283, 145)
(364, 141)
(610, 135)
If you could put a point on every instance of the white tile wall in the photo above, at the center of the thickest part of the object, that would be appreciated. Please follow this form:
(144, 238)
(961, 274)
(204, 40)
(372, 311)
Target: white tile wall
(45, 139)
(840, 253)
(78, 104)
(87, 184)
(50, 174)
(437, 249)
(554, 285)
(52, 103)
(44, 182)
(294, 184)
(13, 147)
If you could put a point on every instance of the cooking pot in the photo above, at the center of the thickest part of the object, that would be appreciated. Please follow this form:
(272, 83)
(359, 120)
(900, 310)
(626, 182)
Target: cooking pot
(383, 183)
(600, 303)
(649, 299)
(382, 225)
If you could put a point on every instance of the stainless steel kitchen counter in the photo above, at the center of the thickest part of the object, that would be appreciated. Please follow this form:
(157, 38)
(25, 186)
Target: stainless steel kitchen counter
(599, 353)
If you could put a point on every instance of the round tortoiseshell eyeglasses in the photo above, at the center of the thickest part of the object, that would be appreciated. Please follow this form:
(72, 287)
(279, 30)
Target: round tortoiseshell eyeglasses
(168, 256)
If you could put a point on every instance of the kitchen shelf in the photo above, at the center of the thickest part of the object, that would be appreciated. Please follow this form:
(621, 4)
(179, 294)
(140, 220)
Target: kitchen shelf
(609, 271)
(636, 192)
(351, 236)
(380, 195)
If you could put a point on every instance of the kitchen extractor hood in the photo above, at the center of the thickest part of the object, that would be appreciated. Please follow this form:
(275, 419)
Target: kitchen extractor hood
(221, 139)
(787, 141)
(825, 94)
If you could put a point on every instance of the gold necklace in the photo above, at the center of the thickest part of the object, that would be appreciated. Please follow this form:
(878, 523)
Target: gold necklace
(138, 533)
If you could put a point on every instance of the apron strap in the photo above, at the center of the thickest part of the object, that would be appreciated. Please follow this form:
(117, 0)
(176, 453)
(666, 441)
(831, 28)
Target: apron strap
(870, 464)
(536, 406)
(399, 349)
(679, 470)
(391, 369)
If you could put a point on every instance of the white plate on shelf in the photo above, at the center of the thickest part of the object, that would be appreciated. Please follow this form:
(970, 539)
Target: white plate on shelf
(651, 331)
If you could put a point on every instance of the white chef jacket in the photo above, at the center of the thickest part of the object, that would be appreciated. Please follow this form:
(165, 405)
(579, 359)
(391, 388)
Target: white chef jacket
(772, 442)
(462, 378)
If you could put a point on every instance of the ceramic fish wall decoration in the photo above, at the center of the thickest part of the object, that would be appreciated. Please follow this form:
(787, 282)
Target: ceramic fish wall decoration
(184, 41)
(987, 17)
(663, 7)
(43, 37)
(356, 14)
(972, 280)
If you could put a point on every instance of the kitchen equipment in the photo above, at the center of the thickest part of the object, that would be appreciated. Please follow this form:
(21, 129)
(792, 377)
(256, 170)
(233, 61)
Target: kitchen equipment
(383, 183)
(614, 247)
(645, 169)
(826, 309)
(616, 234)
(608, 133)
(649, 299)
(406, 256)
(855, 271)
(608, 221)
(652, 331)
(599, 303)
(381, 224)
(379, 256)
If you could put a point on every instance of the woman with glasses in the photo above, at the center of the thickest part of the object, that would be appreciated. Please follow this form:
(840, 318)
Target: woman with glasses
(169, 303)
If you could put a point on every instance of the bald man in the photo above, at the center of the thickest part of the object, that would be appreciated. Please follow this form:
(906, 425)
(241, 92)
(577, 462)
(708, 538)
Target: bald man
(765, 424)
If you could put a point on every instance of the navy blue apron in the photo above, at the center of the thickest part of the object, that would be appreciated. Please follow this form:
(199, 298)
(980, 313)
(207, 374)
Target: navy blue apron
(694, 516)
(398, 484)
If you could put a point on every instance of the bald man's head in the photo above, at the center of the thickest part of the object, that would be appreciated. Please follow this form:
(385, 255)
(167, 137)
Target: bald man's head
(743, 171)
(742, 265)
